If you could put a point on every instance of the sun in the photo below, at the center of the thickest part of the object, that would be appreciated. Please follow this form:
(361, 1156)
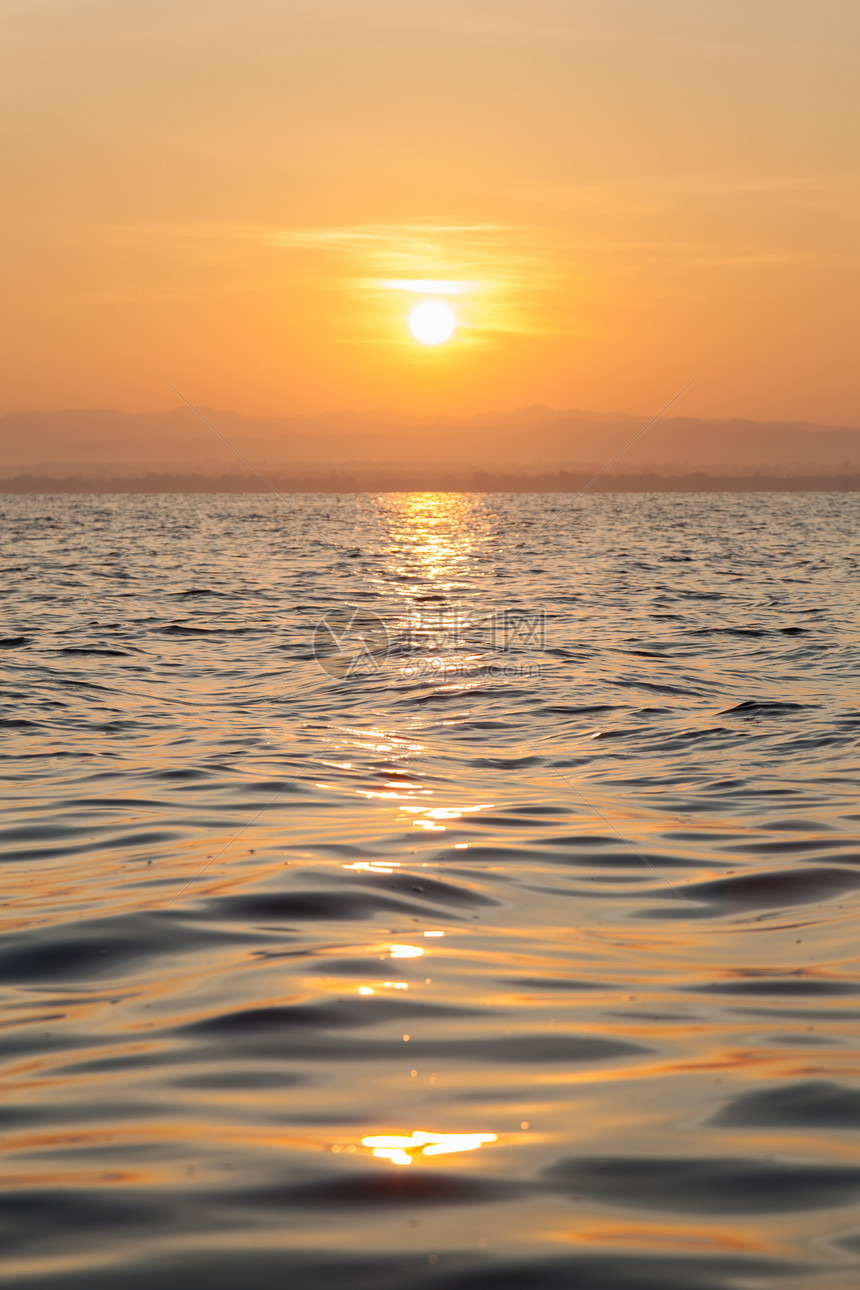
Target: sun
(432, 322)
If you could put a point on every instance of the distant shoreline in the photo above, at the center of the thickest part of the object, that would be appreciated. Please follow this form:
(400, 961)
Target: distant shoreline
(462, 481)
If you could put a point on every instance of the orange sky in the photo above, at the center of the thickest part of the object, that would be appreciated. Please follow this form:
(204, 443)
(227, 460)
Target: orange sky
(630, 193)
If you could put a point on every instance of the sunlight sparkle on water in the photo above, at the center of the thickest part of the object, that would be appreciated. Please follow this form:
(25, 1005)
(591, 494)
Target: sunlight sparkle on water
(396, 1147)
(374, 866)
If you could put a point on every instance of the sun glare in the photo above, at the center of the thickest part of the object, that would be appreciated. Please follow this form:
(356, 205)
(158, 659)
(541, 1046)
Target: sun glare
(432, 322)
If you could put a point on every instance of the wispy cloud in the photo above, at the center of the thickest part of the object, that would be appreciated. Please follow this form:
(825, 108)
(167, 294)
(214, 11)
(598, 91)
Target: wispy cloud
(662, 194)
(495, 263)
(427, 286)
(424, 248)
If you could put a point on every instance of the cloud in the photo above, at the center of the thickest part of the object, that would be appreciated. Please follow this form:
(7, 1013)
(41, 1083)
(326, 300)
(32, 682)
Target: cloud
(661, 195)
(495, 263)
(416, 248)
(427, 286)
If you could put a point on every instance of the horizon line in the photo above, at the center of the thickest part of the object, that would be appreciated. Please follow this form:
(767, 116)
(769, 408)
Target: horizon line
(389, 412)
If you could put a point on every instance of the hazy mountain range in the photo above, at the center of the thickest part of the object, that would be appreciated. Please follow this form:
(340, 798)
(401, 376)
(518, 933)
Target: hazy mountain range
(525, 448)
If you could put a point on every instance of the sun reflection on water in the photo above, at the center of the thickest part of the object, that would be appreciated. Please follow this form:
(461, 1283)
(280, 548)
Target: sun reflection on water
(374, 866)
(400, 1150)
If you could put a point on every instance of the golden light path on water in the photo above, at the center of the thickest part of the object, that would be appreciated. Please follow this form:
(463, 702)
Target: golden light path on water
(438, 553)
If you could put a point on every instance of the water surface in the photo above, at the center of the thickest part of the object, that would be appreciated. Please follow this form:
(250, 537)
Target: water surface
(516, 945)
